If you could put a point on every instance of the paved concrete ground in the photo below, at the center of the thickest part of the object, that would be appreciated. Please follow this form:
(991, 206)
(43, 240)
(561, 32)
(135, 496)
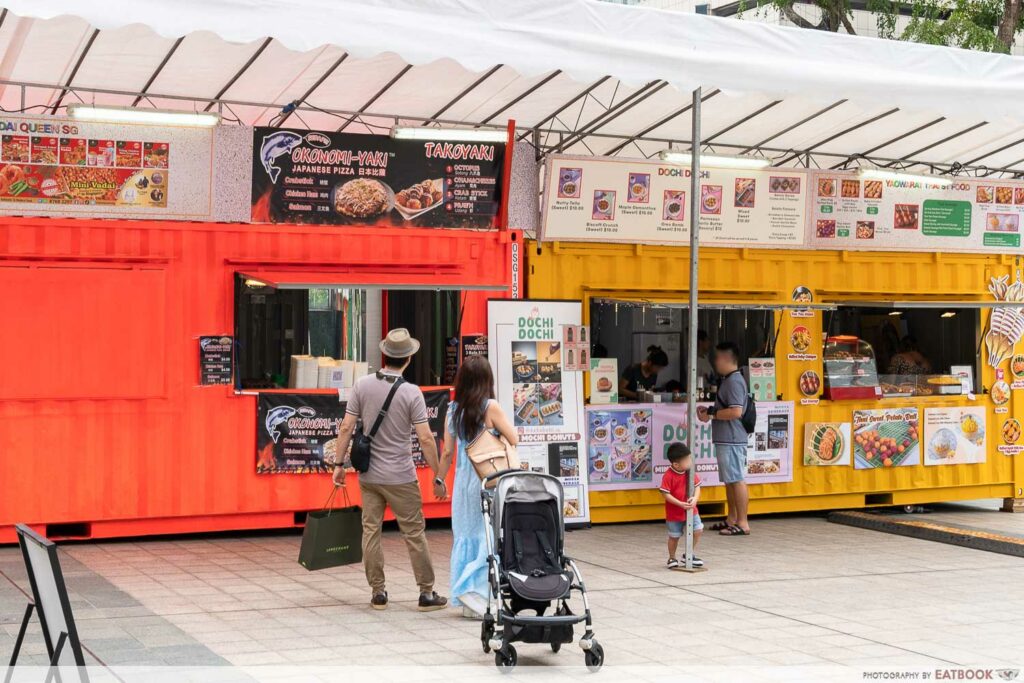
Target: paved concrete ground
(799, 591)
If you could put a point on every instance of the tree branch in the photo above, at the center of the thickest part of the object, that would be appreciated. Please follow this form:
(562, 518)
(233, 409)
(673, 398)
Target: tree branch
(796, 18)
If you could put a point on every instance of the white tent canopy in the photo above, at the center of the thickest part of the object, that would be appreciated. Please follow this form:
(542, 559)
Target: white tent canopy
(578, 76)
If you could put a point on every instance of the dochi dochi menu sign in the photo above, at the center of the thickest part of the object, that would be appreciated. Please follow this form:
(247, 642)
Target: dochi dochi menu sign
(301, 176)
(615, 200)
(962, 214)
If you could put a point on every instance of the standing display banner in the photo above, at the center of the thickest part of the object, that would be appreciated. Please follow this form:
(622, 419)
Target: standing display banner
(327, 178)
(437, 409)
(66, 167)
(949, 215)
(295, 432)
(629, 200)
(627, 445)
(543, 400)
(215, 360)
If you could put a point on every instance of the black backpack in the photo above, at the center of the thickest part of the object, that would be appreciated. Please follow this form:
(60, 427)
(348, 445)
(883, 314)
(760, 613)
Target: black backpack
(362, 443)
(749, 417)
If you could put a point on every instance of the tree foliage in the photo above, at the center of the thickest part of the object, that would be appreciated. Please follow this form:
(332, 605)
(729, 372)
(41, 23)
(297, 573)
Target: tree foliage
(988, 25)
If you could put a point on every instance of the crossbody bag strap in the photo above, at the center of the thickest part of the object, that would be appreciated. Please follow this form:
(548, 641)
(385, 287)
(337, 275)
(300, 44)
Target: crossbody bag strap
(384, 408)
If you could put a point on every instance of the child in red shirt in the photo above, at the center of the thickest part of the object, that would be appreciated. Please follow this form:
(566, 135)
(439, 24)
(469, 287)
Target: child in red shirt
(677, 502)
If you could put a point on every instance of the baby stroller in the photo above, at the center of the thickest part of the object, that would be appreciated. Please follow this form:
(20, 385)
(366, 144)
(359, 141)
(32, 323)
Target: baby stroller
(528, 570)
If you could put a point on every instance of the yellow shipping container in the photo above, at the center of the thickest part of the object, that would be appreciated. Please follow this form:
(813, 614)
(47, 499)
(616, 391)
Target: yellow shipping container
(591, 271)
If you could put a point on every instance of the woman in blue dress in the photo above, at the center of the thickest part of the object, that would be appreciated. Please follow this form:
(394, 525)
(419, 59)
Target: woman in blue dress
(473, 410)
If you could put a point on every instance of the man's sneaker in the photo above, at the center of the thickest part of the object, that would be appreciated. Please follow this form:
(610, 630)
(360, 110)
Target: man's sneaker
(431, 601)
(697, 562)
(379, 600)
(672, 563)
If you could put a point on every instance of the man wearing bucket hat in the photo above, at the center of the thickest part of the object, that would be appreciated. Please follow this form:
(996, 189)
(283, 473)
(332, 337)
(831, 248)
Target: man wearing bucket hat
(391, 479)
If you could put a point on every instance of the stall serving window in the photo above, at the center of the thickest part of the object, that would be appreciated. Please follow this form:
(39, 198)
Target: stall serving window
(902, 349)
(628, 330)
(285, 333)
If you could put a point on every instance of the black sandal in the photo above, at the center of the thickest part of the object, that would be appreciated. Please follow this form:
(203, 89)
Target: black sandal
(718, 526)
(733, 530)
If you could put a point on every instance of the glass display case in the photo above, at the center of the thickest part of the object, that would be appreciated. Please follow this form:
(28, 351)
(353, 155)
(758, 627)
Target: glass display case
(850, 369)
(895, 386)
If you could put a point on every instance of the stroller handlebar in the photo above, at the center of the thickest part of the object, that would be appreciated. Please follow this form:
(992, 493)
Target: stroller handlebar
(491, 477)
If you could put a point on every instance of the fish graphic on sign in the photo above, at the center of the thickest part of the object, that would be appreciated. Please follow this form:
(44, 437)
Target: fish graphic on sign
(276, 417)
(275, 145)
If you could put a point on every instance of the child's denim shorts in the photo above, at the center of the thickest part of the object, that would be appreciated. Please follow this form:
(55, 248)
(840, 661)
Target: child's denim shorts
(677, 529)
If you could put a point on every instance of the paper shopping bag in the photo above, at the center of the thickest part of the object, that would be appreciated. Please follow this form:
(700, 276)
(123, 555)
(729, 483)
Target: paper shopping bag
(332, 537)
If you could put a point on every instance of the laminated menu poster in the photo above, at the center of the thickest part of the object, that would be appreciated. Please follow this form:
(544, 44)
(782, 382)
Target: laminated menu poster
(889, 437)
(954, 436)
(543, 400)
(827, 443)
(295, 433)
(627, 446)
(474, 345)
(627, 200)
(215, 360)
(327, 178)
(968, 214)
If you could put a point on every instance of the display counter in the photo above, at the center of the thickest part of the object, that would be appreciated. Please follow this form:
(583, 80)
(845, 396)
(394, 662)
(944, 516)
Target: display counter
(881, 448)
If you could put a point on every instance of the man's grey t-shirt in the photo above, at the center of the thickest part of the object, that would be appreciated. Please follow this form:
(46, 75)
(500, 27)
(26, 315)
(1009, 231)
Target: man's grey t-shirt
(391, 462)
(731, 393)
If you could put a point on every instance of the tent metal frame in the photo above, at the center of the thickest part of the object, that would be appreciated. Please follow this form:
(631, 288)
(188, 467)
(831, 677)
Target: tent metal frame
(546, 135)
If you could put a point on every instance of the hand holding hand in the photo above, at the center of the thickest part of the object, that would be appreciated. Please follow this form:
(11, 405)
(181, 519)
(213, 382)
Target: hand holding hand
(441, 491)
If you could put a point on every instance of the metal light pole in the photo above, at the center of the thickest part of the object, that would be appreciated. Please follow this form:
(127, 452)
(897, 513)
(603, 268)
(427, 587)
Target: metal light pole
(691, 385)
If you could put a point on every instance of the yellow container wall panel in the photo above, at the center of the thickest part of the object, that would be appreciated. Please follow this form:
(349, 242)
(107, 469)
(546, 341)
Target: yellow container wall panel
(636, 272)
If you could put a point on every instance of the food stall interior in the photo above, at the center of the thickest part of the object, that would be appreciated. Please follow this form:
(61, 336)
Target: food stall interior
(908, 350)
(624, 330)
(276, 324)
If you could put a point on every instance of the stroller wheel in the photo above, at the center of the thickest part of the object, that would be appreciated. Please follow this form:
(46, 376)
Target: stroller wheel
(594, 658)
(486, 631)
(506, 659)
(555, 647)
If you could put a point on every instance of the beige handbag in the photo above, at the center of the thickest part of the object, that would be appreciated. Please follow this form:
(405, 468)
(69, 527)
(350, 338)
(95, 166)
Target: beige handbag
(490, 454)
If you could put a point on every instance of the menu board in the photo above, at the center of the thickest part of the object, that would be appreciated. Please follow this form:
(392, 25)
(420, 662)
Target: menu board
(544, 400)
(954, 436)
(215, 360)
(968, 215)
(65, 167)
(326, 178)
(437, 410)
(295, 433)
(474, 345)
(620, 200)
(627, 446)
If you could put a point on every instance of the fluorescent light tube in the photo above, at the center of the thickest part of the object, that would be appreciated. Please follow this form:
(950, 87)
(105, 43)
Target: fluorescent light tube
(154, 117)
(453, 134)
(882, 174)
(683, 158)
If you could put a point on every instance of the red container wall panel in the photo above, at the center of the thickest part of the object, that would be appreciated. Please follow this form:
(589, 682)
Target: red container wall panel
(156, 445)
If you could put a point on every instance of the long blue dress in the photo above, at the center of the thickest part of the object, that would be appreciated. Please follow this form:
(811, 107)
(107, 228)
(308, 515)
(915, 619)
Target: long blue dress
(469, 550)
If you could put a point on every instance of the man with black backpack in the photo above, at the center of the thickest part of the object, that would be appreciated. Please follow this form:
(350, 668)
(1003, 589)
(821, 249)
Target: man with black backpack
(390, 409)
(732, 418)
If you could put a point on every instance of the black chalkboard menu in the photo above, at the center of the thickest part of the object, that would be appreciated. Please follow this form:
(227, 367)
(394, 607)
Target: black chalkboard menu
(215, 360)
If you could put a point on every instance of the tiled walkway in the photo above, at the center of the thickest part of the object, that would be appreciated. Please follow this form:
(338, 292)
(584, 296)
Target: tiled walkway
(799, 591)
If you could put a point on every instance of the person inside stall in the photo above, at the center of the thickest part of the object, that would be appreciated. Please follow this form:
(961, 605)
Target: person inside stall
(643, 375)
(910, 360)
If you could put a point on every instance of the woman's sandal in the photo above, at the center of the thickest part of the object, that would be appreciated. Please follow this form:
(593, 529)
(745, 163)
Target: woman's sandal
(733, 530)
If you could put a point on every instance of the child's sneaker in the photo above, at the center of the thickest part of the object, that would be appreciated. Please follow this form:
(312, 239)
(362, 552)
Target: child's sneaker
(672, 563)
